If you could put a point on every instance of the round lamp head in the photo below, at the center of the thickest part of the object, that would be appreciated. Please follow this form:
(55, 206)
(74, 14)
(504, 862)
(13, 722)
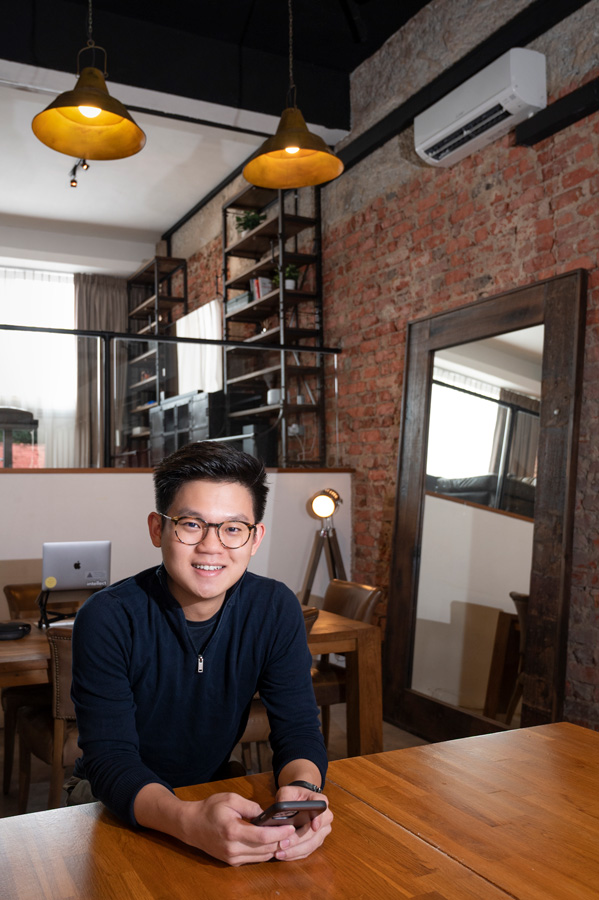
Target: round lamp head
(324, 503)
(293, 157)
(88, 123)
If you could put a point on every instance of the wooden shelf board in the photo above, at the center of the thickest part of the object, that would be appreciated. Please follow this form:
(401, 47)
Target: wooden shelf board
(241, 281)
(260, 239)
(145, 382)
(262, 336)
(272, 335)
(268, 410)
(251, 376)
(144, 407)
(143, 357)
(252, 197)
(166, 265)
(146, 306)
(265, 306)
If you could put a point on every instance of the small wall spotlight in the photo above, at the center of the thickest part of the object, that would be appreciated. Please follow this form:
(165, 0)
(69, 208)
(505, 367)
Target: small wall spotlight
(80, 164)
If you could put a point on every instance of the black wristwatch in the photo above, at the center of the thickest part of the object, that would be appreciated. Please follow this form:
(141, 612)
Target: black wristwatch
(305, 784)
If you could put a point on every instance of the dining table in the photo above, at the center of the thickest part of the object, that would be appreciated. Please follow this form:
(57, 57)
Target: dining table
(493, 817)
(25, 661)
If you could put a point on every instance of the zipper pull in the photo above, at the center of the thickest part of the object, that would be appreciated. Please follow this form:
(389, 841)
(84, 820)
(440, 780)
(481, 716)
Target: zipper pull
(200, 663)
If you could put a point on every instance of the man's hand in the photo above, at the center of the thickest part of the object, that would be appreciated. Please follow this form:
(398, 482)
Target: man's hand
(219, 825)
(309, 837)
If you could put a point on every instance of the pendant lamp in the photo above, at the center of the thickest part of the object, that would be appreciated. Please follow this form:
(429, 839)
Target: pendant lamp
(87, 122)
(293, 157)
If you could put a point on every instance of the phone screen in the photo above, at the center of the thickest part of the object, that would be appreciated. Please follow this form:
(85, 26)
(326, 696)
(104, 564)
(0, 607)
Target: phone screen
(290, 812)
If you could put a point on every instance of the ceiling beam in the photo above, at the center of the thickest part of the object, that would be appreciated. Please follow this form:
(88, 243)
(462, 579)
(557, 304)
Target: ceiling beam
(560, 114)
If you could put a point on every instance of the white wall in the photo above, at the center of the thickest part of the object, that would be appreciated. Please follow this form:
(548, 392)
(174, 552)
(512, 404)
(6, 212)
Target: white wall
(113, 505)
(471, 559)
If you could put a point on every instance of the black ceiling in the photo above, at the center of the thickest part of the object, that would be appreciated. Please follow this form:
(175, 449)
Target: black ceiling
(231, 52)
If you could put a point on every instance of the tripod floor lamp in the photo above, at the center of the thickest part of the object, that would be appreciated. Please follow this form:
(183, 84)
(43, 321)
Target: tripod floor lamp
(322, 506)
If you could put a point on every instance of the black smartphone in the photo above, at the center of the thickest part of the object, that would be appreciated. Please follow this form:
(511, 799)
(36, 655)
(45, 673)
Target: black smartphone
(290, 812)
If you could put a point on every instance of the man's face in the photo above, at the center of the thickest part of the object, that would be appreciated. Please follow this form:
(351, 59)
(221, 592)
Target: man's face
(199, 575)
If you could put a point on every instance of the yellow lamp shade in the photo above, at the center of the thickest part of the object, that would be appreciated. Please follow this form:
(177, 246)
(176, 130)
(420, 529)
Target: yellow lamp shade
(293, 157)
(88, 123)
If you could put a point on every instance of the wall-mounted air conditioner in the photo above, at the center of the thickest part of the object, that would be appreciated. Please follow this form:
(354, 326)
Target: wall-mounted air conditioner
(482, 109)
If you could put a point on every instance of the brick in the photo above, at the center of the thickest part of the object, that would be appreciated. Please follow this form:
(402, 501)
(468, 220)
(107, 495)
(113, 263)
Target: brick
(576, 176)
(567, 198)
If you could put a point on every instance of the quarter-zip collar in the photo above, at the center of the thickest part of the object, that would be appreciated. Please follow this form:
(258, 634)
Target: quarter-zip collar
(178, 621)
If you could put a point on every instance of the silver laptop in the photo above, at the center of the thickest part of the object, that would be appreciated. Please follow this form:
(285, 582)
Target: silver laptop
(75, 565)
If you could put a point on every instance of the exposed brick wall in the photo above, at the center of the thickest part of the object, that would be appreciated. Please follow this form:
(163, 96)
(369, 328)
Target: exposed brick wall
(204, 274)
(503, 218)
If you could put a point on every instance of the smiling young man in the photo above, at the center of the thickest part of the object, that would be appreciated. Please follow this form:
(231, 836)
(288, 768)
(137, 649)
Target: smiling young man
(165, 665)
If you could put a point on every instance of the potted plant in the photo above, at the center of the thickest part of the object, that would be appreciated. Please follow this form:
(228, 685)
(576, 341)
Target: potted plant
(247, 220)
(290, 279)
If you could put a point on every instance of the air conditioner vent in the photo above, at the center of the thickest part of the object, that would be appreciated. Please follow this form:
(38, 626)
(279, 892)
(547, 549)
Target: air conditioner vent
(463, 135)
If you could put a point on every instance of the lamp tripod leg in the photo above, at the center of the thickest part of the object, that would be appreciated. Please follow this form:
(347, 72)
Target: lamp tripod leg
(334, 558)
(312, 567)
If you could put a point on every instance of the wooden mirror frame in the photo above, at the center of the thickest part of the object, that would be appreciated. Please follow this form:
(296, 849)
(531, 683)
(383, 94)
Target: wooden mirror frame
(559, 304)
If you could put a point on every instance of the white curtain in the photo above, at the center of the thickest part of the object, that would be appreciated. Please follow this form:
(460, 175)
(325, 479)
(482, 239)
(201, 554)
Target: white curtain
(38, 371)
(100, 305)
(200, 367)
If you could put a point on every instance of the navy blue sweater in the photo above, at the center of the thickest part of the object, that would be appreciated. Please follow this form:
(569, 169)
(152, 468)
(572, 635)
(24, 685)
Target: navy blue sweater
(144, 712)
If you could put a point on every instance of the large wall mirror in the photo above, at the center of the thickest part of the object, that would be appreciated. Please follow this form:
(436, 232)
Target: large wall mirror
(479, 592)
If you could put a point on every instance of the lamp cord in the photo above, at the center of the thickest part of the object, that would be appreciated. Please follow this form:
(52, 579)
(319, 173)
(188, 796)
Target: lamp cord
(291, 93)
(90, 40)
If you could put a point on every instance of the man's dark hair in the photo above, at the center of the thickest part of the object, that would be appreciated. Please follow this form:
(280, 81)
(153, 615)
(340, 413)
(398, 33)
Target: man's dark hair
(209, 461)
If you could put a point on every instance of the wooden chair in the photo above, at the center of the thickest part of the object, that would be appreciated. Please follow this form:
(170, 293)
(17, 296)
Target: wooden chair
(50, 734)
(354, 601)
(257, 729)
(22, 604)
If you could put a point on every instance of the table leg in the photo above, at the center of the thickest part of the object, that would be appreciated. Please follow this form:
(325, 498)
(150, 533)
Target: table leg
(364, 695)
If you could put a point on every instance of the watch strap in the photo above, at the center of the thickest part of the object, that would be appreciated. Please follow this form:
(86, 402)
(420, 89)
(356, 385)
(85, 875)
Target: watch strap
(307, 785)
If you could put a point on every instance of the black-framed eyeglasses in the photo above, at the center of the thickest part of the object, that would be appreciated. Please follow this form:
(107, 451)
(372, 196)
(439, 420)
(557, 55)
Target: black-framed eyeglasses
(190, 530)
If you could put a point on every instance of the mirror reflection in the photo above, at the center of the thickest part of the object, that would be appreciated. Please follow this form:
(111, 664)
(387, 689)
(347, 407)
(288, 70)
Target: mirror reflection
(478, 521)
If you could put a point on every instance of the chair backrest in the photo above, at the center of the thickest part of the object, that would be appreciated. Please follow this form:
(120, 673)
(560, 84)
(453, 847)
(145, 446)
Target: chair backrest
(310, 617)
(60, 638)
(352, 600)
(521, 604)
(22, 600)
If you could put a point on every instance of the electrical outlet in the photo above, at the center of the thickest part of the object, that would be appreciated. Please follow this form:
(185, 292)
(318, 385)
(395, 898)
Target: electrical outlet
(295, 430)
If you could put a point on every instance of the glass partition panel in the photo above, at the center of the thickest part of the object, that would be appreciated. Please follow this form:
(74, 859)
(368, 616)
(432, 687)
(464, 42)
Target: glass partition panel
(90, 400)
(168, 393)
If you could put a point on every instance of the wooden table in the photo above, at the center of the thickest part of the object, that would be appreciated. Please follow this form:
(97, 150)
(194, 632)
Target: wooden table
(496, 817)
(25, 661)
(84, 853)
(520, 808)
